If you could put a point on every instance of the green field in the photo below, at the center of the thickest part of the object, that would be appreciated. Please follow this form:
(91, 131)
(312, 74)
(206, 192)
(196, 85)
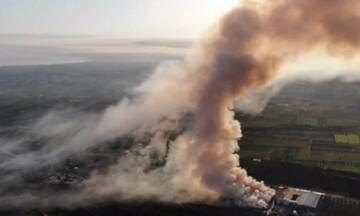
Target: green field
(347, 138)
(305, 133)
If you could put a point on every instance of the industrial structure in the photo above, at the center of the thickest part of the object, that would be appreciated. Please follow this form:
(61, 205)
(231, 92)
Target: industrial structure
(293, 201)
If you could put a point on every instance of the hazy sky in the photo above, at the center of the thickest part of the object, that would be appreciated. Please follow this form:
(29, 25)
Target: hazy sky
(126, 18)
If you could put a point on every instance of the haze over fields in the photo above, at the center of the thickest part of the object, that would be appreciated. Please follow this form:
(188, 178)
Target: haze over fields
(153, 113)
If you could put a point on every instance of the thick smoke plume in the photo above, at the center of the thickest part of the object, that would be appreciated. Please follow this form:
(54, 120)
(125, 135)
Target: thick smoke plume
(245, 52)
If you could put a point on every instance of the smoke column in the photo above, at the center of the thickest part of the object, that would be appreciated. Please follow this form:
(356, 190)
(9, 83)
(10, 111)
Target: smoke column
(245, 52)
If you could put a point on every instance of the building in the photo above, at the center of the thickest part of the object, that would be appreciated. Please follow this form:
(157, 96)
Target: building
(293, 201)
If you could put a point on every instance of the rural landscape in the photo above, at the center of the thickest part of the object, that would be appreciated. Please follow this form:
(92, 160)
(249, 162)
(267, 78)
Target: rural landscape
(312, 125)
(152, 108)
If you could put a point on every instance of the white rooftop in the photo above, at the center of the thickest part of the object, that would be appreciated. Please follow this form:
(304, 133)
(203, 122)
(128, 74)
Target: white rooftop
(303, 197)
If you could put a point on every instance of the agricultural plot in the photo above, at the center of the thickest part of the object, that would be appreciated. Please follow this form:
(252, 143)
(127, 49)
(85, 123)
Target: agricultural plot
(254, 154)
(338, 166)
(328, 156)
(309, 121)
(347, 138)
(311, 130)
(295, 107)
(342, 122)
(311, 149)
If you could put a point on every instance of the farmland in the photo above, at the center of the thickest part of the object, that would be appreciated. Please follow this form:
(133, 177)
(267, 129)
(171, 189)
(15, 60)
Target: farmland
(347, 138)
(302, 127)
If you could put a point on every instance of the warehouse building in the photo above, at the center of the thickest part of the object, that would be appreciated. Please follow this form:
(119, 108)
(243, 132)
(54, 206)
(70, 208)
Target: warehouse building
(293, 201)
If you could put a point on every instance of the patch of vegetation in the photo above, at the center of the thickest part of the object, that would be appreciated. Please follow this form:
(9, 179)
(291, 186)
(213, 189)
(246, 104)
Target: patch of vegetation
(347, 138)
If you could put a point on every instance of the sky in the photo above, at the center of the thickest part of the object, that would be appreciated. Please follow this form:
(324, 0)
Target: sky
(124, 18)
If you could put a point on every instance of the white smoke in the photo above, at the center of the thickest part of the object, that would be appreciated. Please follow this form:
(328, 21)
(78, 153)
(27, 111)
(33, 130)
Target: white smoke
(314, 67)
(236, 62)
